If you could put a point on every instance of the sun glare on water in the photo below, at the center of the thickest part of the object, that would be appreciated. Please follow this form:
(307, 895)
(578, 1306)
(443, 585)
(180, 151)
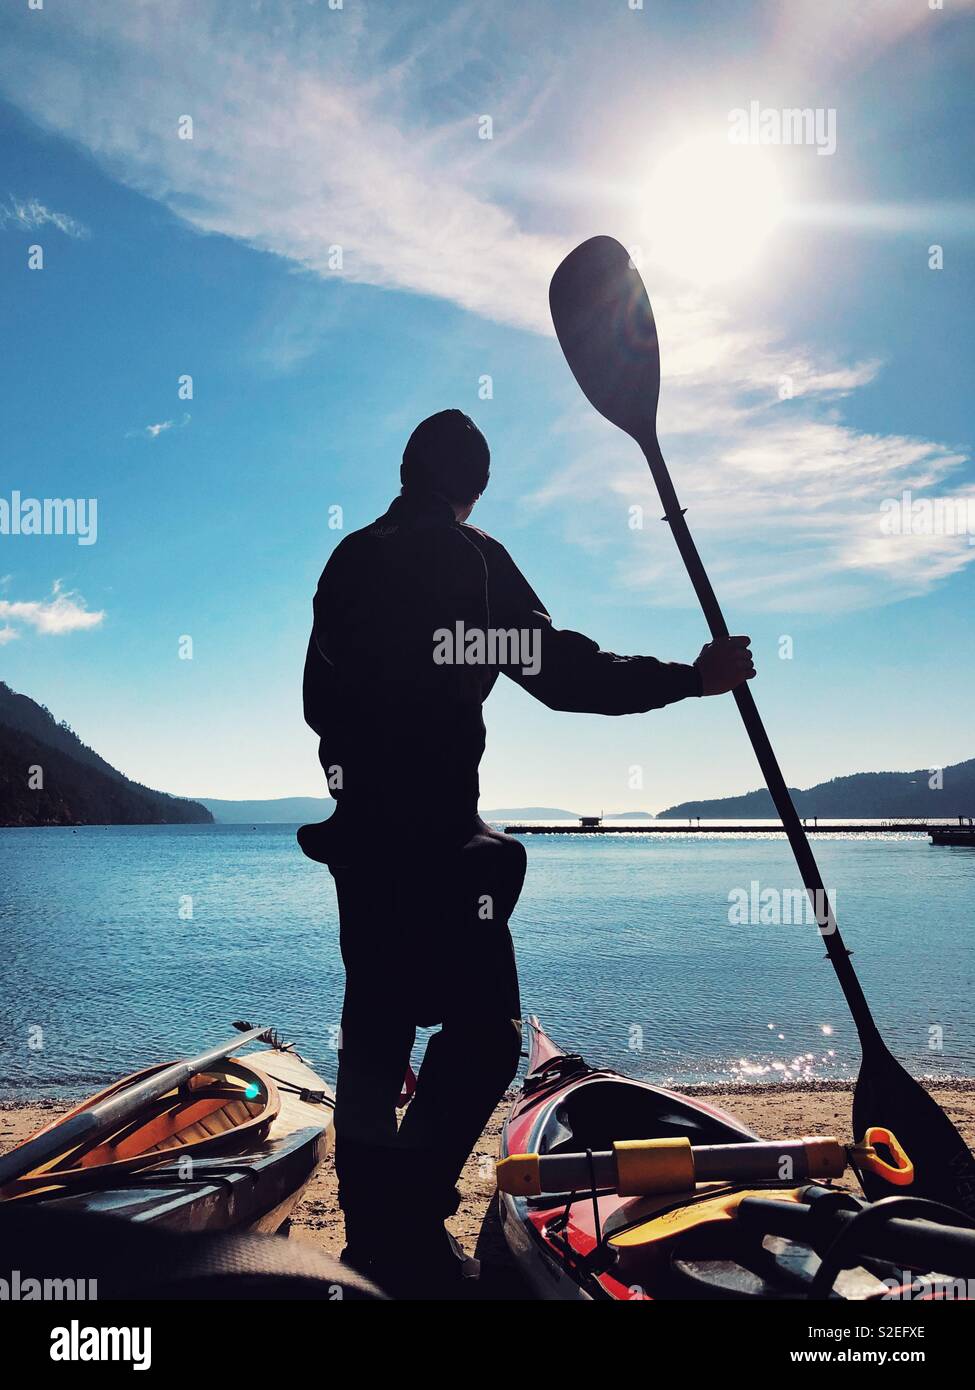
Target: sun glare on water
(711, 209)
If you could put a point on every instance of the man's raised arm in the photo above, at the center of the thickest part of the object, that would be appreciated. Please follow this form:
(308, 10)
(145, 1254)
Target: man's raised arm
(567, 671)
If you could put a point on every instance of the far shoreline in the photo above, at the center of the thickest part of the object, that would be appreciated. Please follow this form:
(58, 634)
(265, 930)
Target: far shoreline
(964, 1084)
(701, 1090)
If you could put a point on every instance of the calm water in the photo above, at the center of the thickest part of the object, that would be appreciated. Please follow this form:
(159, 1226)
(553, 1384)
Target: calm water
(624, 943)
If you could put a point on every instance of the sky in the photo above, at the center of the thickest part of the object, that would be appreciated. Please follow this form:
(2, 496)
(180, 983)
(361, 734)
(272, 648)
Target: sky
(336, 219)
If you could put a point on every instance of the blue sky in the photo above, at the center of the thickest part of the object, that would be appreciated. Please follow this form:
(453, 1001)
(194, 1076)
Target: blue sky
(360, 128)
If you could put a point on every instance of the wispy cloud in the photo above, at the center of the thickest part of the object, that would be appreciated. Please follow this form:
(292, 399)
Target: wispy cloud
(161, 427)
(63, 612)
(29, 215)
(787, 509)
(300, 145)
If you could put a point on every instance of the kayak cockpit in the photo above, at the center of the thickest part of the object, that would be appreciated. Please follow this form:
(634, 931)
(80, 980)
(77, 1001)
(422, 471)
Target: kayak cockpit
(209, 1105)
(230, 1103)
(598, 1113)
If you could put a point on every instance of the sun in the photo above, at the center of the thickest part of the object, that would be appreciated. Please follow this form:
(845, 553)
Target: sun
(711, 209)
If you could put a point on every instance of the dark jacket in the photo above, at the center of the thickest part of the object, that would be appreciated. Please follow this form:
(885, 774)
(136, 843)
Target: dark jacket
(399, 728)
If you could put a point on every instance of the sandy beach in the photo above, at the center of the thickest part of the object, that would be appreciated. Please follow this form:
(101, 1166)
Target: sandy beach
(774, 1110)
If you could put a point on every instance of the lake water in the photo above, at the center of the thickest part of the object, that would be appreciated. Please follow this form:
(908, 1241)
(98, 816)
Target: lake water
(625, 948)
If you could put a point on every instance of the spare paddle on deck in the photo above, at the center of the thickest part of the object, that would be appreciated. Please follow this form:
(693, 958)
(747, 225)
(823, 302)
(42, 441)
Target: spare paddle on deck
(86, 1123)
(606, 329)
(905, 1231)
(644, 1167)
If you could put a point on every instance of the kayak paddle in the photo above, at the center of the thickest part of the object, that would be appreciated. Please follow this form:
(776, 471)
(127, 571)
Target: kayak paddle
(647, 1167)
(902, 1231)
(606, 329)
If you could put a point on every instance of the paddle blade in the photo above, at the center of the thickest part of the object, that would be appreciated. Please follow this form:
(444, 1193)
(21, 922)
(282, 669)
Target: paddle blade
(887, 1095)
(605, 327)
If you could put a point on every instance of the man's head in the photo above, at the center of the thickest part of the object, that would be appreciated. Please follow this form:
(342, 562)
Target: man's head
(449, 455)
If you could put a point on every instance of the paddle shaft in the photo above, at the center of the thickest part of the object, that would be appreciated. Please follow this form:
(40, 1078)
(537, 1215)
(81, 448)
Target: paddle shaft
(112, 1109)
(838, 954)
(917, 1242)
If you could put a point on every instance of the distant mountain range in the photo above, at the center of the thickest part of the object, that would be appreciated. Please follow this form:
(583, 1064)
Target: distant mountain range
(77, 786)
(80, 788)
(282, 810)
(288, 809)
(872, 795)
(285, 810)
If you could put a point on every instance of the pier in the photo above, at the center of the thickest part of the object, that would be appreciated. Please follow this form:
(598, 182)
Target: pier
(593, 825)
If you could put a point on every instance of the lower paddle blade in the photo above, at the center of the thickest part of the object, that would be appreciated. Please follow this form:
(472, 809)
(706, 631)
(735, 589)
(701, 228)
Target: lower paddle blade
(606, 330)
(885, 1094)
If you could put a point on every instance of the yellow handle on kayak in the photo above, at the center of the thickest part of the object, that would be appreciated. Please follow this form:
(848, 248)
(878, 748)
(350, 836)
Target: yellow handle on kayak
(519, 1174)
(900, 1173)
(631, 1168)
(653, 1165)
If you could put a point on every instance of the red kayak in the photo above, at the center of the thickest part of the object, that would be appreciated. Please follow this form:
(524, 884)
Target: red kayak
(614, 1189)
(566, 1106)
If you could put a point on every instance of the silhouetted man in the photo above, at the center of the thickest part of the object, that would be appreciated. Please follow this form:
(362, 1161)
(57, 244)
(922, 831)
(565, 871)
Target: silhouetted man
(414, 618)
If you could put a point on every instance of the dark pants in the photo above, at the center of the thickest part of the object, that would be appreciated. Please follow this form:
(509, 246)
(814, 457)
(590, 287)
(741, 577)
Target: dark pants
(425, 940)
